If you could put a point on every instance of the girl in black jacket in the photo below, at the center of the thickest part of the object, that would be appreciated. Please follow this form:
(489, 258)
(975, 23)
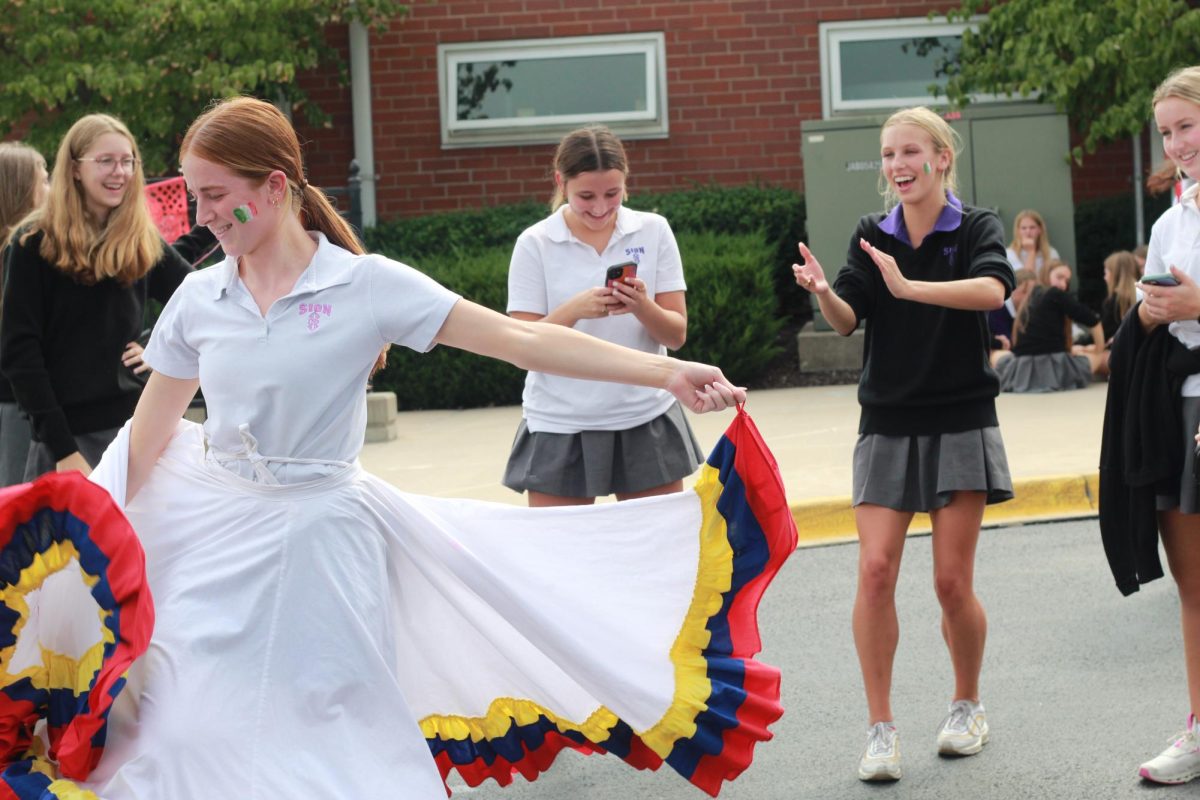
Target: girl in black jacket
(922, 278)
(80, 272)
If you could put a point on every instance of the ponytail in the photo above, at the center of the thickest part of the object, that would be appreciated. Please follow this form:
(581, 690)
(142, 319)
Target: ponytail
(317, 213)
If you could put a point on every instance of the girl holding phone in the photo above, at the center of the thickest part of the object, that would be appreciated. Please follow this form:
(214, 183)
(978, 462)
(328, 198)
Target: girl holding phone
(921, 277)
(1172, 301)
(615, 273)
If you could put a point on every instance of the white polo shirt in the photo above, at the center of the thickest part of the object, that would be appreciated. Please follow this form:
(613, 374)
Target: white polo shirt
(1175, 242)
(296, 376)
(549, 266)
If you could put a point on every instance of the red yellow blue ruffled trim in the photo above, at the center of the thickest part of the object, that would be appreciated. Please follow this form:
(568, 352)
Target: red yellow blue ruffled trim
(724, 700)
(46, 526)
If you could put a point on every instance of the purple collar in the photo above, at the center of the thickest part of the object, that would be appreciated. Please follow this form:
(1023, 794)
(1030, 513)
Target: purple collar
(948, 220)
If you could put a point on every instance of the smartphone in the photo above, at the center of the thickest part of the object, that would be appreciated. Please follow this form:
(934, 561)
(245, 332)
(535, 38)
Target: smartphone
(620, 272)
(1160, 279)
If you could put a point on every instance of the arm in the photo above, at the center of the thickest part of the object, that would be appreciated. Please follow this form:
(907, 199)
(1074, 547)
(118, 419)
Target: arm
(966, 294)
(563, 351)
(664, 317)
(159, 409)
(811, 276)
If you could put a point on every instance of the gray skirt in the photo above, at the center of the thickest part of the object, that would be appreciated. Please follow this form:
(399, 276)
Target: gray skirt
(600, 463)
(922, 473)
(1051, 372)
(1187, 499)
(40, 459)
(14, 444)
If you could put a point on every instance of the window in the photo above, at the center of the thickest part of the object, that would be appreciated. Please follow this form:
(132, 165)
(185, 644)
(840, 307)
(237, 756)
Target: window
(880, 65)
(535, 90)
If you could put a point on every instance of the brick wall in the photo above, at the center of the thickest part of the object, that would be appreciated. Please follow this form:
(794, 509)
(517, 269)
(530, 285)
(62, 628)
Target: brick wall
(741, 75)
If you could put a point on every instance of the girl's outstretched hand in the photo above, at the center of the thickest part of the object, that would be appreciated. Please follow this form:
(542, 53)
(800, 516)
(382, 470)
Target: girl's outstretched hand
(702, 388)
(896, 282)
(809, 275)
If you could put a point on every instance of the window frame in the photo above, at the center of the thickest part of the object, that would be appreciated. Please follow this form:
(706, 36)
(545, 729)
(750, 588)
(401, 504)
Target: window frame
(652, 123)
(832, 34)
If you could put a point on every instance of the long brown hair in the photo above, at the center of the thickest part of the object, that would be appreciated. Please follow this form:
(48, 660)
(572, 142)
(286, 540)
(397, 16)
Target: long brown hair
(591, 149)
(1124, 272)
(126, 246)
(252, 138)
(19, 164)
(1022, 277)
(1043, 241)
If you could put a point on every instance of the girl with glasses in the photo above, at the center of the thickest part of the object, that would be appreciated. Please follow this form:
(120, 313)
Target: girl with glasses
(81, 271)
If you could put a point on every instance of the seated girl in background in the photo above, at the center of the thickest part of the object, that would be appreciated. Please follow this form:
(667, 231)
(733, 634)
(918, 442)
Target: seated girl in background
(1030, 246)
(1121, 274)
(1001, 320)
(1041, 358)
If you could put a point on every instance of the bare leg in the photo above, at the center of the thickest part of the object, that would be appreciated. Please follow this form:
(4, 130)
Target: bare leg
(1181, 540)
(666, 488)
(542, 500)
(881, 534)
(964, 624)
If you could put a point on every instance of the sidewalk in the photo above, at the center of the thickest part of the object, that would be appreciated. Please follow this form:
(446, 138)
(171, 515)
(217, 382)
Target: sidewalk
(1053, 443)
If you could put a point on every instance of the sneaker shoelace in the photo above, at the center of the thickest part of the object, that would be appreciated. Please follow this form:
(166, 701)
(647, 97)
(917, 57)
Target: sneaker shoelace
(959, 719)
(1186, 740)
(881, 740)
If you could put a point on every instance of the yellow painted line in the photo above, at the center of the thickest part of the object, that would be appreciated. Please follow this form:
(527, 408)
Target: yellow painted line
(827, 520)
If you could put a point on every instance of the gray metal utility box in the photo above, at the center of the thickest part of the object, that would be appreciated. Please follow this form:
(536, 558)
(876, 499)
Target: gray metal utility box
(1014, 157)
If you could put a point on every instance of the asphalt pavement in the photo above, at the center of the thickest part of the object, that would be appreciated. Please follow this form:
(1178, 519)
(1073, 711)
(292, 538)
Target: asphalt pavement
(1080, 685)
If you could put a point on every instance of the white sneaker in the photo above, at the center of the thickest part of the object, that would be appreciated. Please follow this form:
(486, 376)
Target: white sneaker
(881, 759)
(964, 731)
(1179, 763)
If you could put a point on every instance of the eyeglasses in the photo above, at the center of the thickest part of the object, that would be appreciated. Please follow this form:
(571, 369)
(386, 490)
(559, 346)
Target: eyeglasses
(110, 163)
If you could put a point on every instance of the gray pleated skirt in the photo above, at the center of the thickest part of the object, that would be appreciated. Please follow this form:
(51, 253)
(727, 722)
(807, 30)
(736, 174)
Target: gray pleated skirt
(600, 463)
(922, 473)
(1052, 372)
(1188, 498)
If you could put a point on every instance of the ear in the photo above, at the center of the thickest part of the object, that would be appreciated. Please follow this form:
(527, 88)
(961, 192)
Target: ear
(558, 179)
(943, 160)
(277, 183)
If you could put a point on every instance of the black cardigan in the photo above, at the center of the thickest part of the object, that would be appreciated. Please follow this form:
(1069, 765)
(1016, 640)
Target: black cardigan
(61, 341)
(925, 367)
(1141, 454)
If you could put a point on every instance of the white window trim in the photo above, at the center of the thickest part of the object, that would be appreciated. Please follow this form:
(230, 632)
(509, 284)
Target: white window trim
(831, 34)
(648, 124)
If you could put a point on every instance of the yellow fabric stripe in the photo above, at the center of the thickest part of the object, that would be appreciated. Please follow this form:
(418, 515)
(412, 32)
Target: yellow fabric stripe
(500, 717)
(713, 579)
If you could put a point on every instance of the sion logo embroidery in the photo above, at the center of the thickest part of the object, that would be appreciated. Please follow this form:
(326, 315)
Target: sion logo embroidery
(314, 311)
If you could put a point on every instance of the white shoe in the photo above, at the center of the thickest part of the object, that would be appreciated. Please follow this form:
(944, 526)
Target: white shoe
(1179, 763)
(964, 732)
(881, 759)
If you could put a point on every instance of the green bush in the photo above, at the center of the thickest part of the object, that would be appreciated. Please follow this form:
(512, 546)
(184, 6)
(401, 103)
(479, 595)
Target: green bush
(775, 211)
(731, 308)
(731, 322)
(1101, 228)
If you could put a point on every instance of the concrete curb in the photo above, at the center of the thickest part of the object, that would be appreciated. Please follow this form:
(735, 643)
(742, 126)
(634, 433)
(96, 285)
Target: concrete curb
(828, 520)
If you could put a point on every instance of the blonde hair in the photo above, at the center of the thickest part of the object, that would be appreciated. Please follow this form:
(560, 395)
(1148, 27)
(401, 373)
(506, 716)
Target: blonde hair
(252, 139)
(19, 164)
(1043, 240)
(126, 246)
(1123, 268)
(1183, 83)
(944, 139)
(591, 149)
